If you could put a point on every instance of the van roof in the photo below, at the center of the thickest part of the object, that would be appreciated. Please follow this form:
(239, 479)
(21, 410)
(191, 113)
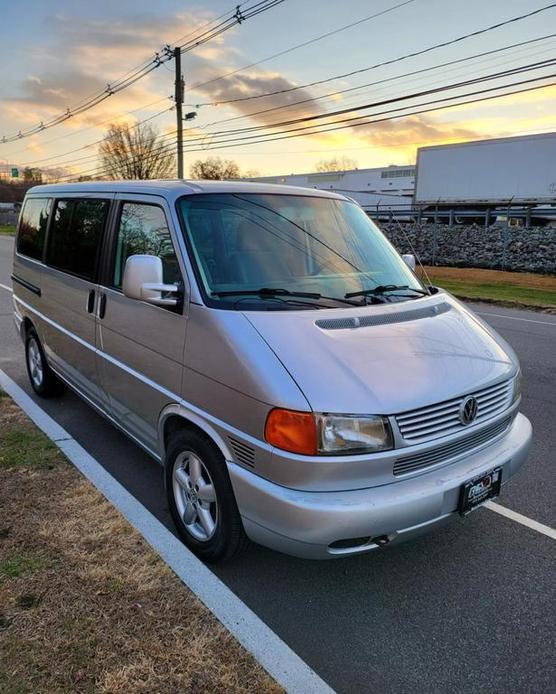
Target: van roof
(176, 187)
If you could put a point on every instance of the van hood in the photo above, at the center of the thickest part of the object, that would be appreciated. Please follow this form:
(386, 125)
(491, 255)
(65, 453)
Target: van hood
(386, 359)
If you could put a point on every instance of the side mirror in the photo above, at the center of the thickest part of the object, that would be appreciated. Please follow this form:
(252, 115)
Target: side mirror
(409, 260)
(143, 281)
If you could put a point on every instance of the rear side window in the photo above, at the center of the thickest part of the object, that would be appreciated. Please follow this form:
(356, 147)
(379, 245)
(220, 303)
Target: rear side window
(143, 231)
(75, 235)
(32, 227)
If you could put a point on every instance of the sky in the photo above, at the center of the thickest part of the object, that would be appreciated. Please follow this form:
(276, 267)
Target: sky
(59, 52)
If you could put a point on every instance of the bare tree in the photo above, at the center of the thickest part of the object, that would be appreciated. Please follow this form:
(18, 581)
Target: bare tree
(135, 153)
(214, 169)
(32, 175)
(336, 164)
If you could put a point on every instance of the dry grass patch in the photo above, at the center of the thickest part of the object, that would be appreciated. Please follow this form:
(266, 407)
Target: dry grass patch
(521, 289)
(85, 604)
(482, 275)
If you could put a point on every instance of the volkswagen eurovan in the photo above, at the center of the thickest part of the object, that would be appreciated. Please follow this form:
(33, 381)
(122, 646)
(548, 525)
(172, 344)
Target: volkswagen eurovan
(301, 386)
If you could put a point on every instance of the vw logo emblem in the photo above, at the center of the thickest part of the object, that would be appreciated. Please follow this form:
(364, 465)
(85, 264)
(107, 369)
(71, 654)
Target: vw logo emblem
(468, 410)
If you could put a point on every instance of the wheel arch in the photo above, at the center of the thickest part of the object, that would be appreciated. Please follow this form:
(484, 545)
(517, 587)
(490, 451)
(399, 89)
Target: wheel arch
(26, 325)
(174, 417)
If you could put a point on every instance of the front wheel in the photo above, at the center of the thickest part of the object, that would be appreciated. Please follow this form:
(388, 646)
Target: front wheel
(43, 380)
(201, 498)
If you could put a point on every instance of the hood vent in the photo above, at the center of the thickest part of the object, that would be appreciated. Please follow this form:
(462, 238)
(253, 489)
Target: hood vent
(383, 319)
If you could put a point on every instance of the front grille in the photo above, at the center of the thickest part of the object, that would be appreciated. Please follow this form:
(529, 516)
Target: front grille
(418, 461)
(441, 419)
(243, 453)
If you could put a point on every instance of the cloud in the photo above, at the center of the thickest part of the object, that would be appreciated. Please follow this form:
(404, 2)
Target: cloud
(413, 130)
(253, 83)
(101, 50)
(98, 51)
(114, 44)
(57, 90)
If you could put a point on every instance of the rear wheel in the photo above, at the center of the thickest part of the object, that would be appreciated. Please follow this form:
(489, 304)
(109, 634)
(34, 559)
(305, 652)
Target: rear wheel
(43, 380)
(201, 498)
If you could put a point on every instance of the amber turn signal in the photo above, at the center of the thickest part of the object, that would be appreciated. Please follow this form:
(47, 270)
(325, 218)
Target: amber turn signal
(292, 431)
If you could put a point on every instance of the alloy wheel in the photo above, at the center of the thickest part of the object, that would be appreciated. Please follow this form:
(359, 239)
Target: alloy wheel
(195, 496)
(34, 358)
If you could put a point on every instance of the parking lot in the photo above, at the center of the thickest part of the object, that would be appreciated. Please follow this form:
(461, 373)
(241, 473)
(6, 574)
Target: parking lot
(468, 608)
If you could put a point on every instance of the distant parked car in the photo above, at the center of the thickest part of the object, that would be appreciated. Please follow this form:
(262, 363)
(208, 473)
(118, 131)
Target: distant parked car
(9, 206)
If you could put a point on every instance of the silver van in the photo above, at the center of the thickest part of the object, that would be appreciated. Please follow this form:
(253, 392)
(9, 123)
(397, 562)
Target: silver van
(268, 346)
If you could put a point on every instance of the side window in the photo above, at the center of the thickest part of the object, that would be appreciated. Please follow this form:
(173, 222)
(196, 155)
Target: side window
(32, 227)
(75, 235)
(143, 231)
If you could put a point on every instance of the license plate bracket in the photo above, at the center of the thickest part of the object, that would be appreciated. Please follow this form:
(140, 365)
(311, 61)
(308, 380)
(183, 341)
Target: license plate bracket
(476, 491)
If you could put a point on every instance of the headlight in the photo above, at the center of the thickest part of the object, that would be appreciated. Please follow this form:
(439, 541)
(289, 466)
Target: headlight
(311, 433)
(517, 387)
(339, 434)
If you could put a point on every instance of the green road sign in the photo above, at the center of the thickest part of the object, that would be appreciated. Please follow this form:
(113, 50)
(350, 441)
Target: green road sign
(15, 173)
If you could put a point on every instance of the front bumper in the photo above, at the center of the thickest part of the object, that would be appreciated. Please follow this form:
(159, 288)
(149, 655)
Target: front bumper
(305, 524)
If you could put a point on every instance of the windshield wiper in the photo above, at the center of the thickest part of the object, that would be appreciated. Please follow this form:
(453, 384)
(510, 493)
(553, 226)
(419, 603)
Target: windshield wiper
(278, 291)
(266, 291)
(383, 288)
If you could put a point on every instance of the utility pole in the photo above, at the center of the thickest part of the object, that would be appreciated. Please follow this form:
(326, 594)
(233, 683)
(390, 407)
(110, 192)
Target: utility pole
(178, 95)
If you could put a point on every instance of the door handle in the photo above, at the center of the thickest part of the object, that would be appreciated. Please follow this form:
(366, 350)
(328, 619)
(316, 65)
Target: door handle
(102, 306)
(91, 301)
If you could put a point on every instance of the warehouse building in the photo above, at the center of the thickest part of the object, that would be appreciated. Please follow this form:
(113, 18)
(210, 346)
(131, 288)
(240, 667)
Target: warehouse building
(383, 190)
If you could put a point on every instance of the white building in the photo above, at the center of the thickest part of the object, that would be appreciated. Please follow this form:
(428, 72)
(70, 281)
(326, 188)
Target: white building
(381, 190)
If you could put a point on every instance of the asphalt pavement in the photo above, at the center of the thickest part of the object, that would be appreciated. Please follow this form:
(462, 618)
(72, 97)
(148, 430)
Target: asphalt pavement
(471, 607)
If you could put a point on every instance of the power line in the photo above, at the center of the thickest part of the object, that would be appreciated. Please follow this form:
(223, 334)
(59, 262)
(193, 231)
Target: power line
(277, 108)
(206, 24)
(341, 124)
(303, 44)
(91, 127)
(269, 137)
(96, 142)
(372, 67)
(134, 75)
(224, 136)
(141, 108)
(361, 107)
(408, 97)
(338, 125)
(414, 54)
(382, 81)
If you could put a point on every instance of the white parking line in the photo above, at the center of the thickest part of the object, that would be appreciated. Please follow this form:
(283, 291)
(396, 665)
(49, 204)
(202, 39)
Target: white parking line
(518, 518)
(287, 668)
(526, 320)
(5, 286)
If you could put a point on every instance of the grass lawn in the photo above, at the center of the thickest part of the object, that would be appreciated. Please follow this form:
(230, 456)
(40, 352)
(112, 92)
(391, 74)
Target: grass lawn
(85, 604)
(512, 288)
(7, 229)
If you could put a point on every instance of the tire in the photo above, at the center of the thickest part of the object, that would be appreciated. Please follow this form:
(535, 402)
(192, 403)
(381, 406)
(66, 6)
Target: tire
(43, 380)
(207, 520)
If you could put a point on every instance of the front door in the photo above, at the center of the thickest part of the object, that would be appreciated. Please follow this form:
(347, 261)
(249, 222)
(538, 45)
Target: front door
(140, 345)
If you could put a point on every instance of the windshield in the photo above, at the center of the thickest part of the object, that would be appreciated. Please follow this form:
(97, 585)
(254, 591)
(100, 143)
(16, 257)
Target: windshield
(298, 250)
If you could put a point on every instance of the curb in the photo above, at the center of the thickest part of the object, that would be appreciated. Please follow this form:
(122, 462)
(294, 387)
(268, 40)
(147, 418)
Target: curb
(275, 656)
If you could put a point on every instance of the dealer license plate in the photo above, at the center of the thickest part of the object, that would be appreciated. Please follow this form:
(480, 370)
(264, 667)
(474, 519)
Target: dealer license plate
(478, 490)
